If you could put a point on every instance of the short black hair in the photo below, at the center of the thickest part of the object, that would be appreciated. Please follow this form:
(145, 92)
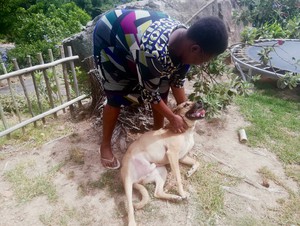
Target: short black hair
(210, 34)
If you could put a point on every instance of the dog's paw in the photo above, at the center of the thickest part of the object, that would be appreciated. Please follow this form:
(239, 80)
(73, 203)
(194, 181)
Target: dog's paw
(192, 170)
(178, 198)
(185, 195)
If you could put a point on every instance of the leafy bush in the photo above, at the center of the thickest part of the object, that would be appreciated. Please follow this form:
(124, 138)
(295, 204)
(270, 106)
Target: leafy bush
(21, 51)
(293, 27)
(290, 29)
(216, 85)
(259, 12)
(8, 104)
(94, 7)
(40, 29)
(274, 30)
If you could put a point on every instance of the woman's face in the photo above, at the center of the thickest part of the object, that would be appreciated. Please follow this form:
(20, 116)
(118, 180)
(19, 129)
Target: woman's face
(195, 56)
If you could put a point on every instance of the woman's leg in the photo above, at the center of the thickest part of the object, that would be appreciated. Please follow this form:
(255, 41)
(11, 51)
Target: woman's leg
(110, 118)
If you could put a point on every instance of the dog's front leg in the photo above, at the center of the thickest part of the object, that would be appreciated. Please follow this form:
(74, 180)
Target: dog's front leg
(173, 157)
(187, 160)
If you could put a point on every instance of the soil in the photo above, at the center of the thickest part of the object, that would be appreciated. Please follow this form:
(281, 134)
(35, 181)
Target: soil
(79, 202)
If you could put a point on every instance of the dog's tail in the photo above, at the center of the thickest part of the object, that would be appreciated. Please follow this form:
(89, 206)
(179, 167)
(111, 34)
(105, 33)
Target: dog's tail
(144, 193)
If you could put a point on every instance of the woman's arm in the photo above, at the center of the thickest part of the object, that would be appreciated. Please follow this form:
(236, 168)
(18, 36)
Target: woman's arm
(177, 124)
(179, 94)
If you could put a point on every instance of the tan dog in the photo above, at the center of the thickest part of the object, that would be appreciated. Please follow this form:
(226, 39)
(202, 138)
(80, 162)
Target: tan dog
(145, 159)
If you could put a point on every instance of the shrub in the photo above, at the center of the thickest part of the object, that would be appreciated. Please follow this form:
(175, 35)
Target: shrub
(216, 85)
(290, 29)
(21, 51)
(261, 12)
(39, 29)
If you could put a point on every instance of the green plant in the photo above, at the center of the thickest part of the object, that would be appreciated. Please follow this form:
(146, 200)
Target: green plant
(43, 26)
(289, 29)
(264, 54)
(272, 30)
(22, 50)
(249, 34)
(259, 12)
(42, 88)
(83, 80)
(8, 105)
(290, 80)
(293, 27)
(216, 85)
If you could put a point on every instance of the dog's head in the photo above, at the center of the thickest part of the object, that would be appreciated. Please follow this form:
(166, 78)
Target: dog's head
(190, 111)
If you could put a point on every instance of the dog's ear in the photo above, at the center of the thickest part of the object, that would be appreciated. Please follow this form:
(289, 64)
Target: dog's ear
(175, 111)
(181, 106)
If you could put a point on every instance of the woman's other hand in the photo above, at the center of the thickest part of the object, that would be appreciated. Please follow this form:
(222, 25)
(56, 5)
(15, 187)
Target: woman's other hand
(177, 124)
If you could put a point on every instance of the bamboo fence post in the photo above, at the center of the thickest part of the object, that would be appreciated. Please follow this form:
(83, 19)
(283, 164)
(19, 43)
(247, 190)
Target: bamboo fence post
(36, 88)
(3, 119)
(66, 81)
(13, 96)
(74, 75)
(47, 81)
(56, 78)
(24, 89)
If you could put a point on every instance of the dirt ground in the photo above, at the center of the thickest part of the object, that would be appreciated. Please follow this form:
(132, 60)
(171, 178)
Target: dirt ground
(80, 204)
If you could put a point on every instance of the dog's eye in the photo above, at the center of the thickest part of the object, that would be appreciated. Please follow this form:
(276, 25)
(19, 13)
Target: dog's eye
(186, 105)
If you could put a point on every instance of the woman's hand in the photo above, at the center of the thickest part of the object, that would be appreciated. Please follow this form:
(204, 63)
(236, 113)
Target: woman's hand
(177, 124)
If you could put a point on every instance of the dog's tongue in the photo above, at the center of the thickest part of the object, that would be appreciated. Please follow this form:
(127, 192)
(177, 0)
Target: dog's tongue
(198, 114)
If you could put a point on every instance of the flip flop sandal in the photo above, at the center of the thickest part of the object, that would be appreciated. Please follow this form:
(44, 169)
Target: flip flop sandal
(113, 160)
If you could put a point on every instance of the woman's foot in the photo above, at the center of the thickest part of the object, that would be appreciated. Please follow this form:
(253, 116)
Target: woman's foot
(110, 164)
(108, 160)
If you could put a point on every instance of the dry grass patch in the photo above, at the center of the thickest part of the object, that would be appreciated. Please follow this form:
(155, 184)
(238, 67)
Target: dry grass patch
(289, 212)
(76, 155)
(27, 186)
(66, 215)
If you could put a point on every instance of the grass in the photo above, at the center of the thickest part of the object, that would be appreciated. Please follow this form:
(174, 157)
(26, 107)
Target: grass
(209, 193)
(269, 175)
(249, 221)
(109, 180)
(275, 121)
(66, 215)
(275, 125)
(290, 211)
(290, 207)
(26, 186)
(36, 137)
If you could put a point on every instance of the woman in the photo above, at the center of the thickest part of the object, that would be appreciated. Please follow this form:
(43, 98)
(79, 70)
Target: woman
(141, 55)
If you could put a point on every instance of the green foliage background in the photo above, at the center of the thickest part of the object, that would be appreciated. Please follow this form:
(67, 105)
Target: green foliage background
(259, 12)
(38, 25)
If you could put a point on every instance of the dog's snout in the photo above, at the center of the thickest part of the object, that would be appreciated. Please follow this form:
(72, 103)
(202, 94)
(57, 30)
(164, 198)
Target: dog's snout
(199, 104)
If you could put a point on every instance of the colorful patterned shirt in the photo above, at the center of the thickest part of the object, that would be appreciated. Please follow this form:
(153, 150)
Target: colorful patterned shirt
(131, 46)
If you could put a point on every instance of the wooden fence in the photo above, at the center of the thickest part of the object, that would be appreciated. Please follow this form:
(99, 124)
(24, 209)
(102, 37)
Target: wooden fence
(67, 93)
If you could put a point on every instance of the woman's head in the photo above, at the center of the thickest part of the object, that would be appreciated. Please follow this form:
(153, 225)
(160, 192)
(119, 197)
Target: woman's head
(209, 38)
(210, 34)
